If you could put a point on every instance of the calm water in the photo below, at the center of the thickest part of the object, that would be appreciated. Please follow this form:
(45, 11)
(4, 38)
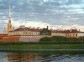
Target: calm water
(33, 57)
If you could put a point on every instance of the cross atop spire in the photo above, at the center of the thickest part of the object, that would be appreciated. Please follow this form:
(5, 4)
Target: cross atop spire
(9, 11)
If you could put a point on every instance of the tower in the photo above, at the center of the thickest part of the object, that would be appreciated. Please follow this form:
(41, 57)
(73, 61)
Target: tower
(47, 27)
(9, 25)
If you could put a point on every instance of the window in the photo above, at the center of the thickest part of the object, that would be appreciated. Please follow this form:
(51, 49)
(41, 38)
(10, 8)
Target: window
(76, 35)
(18, 33)
(70, 35)
(73, 35)
(25, 33)
(36, 33)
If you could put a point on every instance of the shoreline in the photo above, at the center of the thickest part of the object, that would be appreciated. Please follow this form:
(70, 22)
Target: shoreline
(45, 51)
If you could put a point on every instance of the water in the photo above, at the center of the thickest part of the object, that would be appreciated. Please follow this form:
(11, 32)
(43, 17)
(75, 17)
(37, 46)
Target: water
(39, 57)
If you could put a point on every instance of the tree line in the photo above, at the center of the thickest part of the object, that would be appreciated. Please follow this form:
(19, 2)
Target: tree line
(61, 39)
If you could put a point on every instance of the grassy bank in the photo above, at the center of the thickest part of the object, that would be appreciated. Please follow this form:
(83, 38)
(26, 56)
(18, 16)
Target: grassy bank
(44, 48)
(41, 46)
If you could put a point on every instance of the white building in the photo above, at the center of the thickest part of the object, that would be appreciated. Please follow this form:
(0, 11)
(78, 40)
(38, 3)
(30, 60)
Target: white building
(72, 33)
(25, 31)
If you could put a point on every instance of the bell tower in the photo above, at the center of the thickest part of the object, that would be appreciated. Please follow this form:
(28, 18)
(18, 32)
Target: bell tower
(9, 25)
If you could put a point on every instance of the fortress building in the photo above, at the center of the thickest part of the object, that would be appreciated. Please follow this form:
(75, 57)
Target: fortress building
(72, 33)
(27, 34)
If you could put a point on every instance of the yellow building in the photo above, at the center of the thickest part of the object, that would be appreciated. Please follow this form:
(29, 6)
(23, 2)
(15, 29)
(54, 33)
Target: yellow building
(25, 31)
(72, 33)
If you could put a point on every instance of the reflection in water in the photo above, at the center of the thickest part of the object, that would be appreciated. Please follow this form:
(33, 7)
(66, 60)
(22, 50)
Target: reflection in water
(33, 57)
(25, 57)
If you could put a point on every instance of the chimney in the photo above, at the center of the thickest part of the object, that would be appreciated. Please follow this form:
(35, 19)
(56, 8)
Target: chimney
(47, 27)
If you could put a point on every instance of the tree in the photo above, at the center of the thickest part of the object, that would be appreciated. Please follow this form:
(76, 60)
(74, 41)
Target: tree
(81, 38)
(45, 31)
(45, 39)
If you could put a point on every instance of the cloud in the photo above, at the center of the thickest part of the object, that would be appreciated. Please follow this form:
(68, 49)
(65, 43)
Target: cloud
(44, 12)
(44, 25)
(30, 23)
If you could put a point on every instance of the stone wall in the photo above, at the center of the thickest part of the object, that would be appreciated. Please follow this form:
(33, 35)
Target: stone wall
(30, 38)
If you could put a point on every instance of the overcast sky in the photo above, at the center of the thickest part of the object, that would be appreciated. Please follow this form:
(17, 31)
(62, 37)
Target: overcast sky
(40, 13)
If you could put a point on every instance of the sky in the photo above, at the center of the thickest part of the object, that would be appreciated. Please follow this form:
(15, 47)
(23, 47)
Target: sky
(57, 14)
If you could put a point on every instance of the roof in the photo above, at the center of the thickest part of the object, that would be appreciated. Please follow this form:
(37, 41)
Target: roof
(53, 31)
(66, 31)
(27, 29)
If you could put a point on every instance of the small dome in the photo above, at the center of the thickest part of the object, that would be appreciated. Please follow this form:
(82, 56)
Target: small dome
(22, 26)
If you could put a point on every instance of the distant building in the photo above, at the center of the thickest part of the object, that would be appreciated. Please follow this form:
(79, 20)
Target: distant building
(25, 31)
(34, 34)
(72, 33)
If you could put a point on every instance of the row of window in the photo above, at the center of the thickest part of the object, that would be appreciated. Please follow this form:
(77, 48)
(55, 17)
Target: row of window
(71, 35)
(67, 35)
(24, 33)
(58, 34)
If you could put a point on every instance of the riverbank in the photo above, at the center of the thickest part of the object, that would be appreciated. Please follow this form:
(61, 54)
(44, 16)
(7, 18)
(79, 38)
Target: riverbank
(44, 48)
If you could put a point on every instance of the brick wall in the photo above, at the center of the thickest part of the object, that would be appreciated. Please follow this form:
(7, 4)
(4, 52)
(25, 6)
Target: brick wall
(11, 39)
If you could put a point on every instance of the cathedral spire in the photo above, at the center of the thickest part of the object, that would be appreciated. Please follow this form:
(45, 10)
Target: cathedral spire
(9, 26)
(9, 11)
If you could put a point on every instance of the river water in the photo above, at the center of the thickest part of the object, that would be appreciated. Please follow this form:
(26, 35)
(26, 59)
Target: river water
(39, 57)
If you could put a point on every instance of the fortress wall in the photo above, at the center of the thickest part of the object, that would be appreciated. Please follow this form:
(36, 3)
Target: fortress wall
(11, 39)
(30, 38)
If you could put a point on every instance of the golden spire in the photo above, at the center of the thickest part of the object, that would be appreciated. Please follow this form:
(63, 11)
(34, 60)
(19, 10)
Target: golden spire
(9, 26)
(9, 11)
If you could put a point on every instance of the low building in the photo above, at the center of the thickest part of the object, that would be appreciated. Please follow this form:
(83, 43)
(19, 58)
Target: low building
(57, 33)
(28, 34)
(25, 31)
(72, 33)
